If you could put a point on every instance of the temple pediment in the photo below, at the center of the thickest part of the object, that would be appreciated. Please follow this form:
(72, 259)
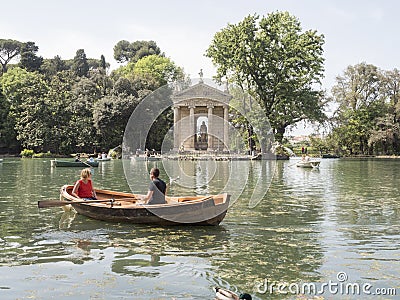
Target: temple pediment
(205, 105)
(201, 91)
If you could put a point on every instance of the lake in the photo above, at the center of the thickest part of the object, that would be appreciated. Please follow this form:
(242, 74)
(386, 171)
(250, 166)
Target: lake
(336, 229)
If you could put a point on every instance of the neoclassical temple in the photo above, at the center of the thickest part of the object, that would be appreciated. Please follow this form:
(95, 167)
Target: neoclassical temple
(201, 118)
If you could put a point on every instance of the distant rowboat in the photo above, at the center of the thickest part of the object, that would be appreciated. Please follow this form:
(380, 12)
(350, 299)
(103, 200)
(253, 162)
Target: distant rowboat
(103, 159)
(146, 158)
(328, 155)
(69, 163)
(308, 164)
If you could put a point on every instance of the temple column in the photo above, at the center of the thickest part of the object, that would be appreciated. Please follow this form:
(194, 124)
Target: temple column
(210, 134)
(192, 129)
(226, 128)
(177, 128)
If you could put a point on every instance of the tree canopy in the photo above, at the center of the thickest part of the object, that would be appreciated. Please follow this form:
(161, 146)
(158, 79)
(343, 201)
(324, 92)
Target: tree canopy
(151, 72)
(277, 63)
(73, 105)
(367, 118)
(80, 64)
(125, 51)
(9, 49)
(29, 60)
(68, 105)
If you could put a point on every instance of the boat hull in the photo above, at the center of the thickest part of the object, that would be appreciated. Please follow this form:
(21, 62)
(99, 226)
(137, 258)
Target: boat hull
(67, 163)
(146, 158)
(103, 159)
(177, 211)
(308, 164)
(328, 155)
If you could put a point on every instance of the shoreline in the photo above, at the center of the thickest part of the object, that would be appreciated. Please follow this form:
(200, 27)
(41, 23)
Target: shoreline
(372, 156)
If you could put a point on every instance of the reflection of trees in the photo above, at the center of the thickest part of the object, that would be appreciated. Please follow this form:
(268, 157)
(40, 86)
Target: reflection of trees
(197, 177)
(148, 250)
(138, 265)
(278, 239)
(367, 196)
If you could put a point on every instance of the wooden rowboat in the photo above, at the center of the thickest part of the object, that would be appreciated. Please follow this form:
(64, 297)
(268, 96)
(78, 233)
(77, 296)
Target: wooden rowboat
(308, 164)
(69, 163)
(126, 207)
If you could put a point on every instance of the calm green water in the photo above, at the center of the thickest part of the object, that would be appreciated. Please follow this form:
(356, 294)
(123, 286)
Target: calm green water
(309, 227)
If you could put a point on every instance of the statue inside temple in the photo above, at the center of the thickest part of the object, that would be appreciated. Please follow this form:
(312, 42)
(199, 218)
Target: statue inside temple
(203, 132)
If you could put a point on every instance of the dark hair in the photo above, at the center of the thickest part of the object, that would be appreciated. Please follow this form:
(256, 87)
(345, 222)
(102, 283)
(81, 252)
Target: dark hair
(245, 296)
(155, 172)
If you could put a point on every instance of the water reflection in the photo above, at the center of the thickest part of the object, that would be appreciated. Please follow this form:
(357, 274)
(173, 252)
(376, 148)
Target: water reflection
(307, 227)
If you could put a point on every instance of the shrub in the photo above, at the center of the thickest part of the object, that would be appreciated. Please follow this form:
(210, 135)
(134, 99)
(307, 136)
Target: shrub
(27, 153)
(42, 155)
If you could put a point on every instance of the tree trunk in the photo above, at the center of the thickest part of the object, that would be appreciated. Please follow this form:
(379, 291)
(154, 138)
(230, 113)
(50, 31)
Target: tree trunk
(396, 144)
(279, 132)
(250, 132)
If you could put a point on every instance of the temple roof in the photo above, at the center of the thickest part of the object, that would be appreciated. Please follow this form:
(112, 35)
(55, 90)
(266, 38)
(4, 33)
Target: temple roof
(201, 91)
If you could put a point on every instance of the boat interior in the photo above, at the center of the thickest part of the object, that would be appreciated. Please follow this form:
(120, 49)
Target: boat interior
(128, 200)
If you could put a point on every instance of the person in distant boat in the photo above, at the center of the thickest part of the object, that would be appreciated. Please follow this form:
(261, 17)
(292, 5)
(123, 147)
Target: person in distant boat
(83, 188)
(77, 157)
(305, 158)
(157, 189)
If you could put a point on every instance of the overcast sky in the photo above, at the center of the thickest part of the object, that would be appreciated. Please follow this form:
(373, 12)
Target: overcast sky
(355, 31)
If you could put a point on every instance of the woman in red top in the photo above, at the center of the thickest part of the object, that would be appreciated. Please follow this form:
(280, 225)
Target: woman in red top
(83, 188)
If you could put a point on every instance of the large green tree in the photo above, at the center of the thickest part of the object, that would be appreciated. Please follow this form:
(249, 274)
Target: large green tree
(8, 135)
(161, 69)
(358, 87)
(125, 51)
(361, 102)
(52, 66)
(150, 72)
(9, 49)
(110, 115)
(65, 106)
(367, 120)
(277, 63)
(26, 92)
(80, 64)
(59, 99)
(391, 86)
(29, 59)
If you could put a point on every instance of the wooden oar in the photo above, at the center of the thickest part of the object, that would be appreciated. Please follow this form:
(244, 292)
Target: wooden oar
(85, 163)
(56, 203)
(197, 200)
